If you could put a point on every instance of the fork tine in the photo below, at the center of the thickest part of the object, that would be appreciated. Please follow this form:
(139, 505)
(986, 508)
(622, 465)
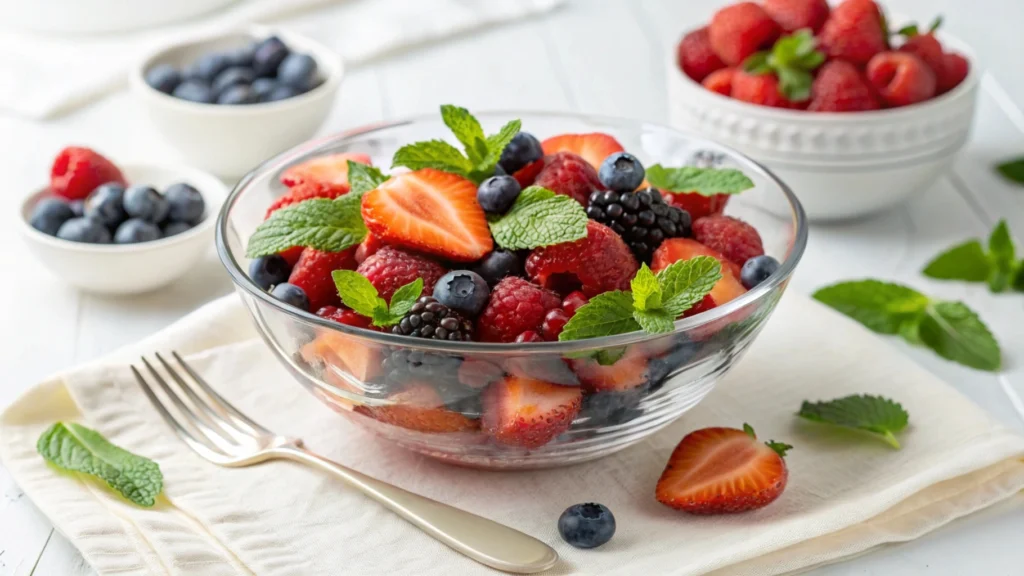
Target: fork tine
(214, 414)
(216, 438)
(240, 418)
(183, 432)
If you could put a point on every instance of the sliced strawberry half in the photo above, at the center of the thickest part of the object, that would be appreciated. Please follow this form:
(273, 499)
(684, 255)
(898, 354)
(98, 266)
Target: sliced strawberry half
(331, 170)
(676, 249)
(723, 471)
(528, 413)
(419, 407)
(627, 373)
(430, 211)
(593, 147)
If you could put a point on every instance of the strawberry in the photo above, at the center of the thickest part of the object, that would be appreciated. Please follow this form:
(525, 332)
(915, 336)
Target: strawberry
(841, 87)
(901, 79)
(762, 89)
(597, 263)
(723, 471)
(570, 175)
(676, 249)
(341, 352)
(734, 238)
(419, 407)
(527, 174)
(720, 81)
(593, 147)
(303, 191)
(695, 56)
(954, 71)
(698, 205)
(854, 32)
(708, 303)
(331, 170)
(928, 48)
(793, 15)
(627, 373)
(739, 30)
(77, 171)
(429, 211)
(520, 411)
(292, 255)
(312, 273)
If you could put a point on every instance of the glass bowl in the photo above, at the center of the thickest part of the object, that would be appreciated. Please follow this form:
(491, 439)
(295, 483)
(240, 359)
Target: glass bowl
(357, 372)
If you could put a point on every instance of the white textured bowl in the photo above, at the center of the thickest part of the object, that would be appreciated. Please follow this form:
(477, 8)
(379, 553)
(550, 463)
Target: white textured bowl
(130, 268)
(841, 165)
(231, 140)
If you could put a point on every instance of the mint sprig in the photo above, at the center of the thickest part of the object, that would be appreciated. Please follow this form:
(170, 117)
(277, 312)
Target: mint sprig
(1012, 170)
(694, 180)
(652, 304)
(320, 223)
(880, 417)
(74, 447)
(362, 178)
(539, 217)
(970, 262)
(951, 329)
(481, 152)
(359, 294)
(792, 59)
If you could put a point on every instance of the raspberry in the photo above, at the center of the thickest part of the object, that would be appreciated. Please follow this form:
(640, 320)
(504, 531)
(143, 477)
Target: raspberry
(390, 269)
(78, 171)
(793, 15)
(696, 57)
(901, 79)
(571, 175)
(698, 205)
(344, 316)
(528, 336)
(554, 321)
(734, 238)
(292, 255)
(760, 89)
(854, 32)
(739, 30)
(928, 48)
(595, 264)
(841, 87)
(720, 81)
(954, 71)
(515, 307)
(312, 273)
(368, 247)
(574, 301)
(305, 191)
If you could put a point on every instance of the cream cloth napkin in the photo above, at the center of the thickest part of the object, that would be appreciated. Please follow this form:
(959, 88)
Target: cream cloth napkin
(846, 494)
(47, 75)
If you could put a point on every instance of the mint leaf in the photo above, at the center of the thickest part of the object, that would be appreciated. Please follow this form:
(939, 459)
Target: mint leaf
(873, 414)
(320, 223)
(606, 314)
(358, 293)
(703, 181)
(468, 130)
(646, 290)
(76, 448)
(956, 333)
(795, 84)
(792, 59)
(496, 143)
(404, 298)
(539, 217)
(363, 178)
(687, 282)
(757, 63)
(966, 261)
(880, 306)
(1002, 255)
(654, 321)
(436, 154)
(1013, 170)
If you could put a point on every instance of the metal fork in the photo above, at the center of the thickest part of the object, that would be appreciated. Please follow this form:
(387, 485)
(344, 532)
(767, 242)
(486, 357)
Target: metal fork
(220, 433)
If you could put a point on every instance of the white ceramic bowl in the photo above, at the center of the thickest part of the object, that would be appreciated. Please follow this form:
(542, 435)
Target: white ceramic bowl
(231, 140)
(840, 165)
(130, 268)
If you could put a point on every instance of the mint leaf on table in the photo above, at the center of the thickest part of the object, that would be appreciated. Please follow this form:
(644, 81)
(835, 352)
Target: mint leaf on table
(880, 306)
(359, 294)
(956, 333)
(74, 447)
(970, 262)
(362, 178)
(606, 314)
(320, 223)
(703, 181)
(687, 282)
(539, 217)
(1002, 255)
(1013, 170)
(792, 59)
(873, 414)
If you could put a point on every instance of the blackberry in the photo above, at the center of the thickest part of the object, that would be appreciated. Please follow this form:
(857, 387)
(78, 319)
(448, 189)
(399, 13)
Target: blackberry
(428, 318)
(643, 219)
(406, 366)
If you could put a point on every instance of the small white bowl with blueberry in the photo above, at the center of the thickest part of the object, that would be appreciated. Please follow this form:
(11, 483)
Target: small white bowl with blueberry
(229, 102)
(141, 230)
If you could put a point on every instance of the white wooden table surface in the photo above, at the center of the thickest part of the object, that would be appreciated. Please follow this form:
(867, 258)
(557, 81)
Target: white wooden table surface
(597, 56)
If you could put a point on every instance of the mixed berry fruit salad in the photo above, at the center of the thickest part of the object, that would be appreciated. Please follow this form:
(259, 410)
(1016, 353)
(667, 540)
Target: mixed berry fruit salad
(806, 55)
(466, 286)
(91, 201)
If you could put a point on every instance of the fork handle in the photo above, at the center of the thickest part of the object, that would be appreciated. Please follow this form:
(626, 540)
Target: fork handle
(483, 540)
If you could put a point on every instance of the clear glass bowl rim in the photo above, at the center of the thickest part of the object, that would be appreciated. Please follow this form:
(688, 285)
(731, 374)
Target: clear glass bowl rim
(241, 278)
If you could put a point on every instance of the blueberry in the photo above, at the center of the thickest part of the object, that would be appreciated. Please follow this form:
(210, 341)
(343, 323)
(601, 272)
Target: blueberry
(48, 215)
(522, 150)
(757, 270)
(135, 230)
(146, 203)
(269, 271)
(106, 205)
(497, 194)
(84, 230)
(163, 77)
(586, 525)
(174, 228)
(262, 87)
(241, 56)
(207, 67)
(462, 290)
(232, 77)
(268, 56)
(621, 172)
(77, 208)
(611, 408)
(499, 264)
(238, 95)
(298, 70)
(194, 91)
(291, 294)
(185, 202)
(281, 92)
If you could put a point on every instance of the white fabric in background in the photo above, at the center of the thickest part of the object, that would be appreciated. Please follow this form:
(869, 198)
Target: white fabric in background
(846, 495)
(48, 75)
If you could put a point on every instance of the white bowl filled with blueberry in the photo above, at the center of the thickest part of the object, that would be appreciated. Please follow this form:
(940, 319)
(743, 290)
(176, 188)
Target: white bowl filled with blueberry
(120, 229)
(229, 102)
